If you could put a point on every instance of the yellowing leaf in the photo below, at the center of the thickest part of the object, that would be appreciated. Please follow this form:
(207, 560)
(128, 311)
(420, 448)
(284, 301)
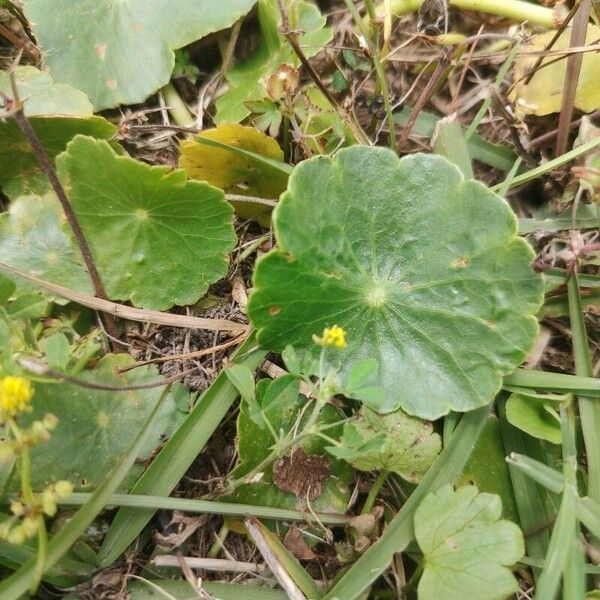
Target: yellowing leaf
(543, 94)
(234, 173)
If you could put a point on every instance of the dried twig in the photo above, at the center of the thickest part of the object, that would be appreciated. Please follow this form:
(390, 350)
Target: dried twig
(578, 35)
(209, 564)
(128, 312)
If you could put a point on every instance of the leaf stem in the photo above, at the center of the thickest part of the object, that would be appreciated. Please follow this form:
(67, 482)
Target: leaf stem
(374, 492)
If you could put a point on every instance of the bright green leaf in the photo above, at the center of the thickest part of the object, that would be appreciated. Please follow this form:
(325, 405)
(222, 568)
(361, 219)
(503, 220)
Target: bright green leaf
(121, 52)
(56, 348)
(423, 270)
(57, 112)
(95, 427)
(466, 548)
(34, 239)
(395, 442)
(534, 416)
(147, 225)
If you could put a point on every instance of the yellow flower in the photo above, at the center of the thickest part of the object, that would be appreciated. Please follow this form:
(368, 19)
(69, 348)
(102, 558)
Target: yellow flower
(333, 336)
(15, 395)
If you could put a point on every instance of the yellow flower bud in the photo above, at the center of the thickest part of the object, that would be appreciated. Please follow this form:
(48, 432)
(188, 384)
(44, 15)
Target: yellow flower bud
(63, 488)
(49, 501)
(333, 336)
(6, 453)
(50, 421)
(16, 535)
(15, 395)
(30, 526)
(17, 508)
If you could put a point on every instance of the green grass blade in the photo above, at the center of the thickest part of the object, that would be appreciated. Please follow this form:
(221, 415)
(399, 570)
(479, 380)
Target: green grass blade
(588, 512)
(178, 454)
(208, 507)
(400, 531)
(450, 143)
(589, 409)
(553, 164)
(556, 223)
(182, 590)
(555, 382)
(20, 581)
(540, 473)
(529, 497)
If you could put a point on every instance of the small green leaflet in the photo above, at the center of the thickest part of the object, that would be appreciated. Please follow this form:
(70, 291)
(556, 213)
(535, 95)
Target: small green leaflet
(467, 549)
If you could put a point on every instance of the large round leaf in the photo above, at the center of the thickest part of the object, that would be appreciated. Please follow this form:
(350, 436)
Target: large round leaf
(158, 239)
(121, 52)
(95, 427)
(423, 269)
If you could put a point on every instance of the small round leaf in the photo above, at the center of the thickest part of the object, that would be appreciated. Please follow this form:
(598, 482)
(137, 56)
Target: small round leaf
(423, 269)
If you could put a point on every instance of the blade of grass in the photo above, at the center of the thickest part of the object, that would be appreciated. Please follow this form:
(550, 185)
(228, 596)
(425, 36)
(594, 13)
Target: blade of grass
(20, 581)
(589, 410)
(208, 507)
(588, 512)
(400, 531)
(556, 382)
(480, 149)
(529, 497)
(539, 472)
(449, 142)
(289, 562)
(140, 590)
(171, 463)
(553, 164)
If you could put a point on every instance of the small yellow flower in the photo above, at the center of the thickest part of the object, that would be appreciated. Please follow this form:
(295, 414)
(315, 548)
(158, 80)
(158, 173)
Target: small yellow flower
(15, 395)
(333, 336)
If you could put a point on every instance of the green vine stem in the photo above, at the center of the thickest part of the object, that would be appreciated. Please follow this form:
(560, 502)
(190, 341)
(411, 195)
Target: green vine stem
(516, 10)
(374, 492)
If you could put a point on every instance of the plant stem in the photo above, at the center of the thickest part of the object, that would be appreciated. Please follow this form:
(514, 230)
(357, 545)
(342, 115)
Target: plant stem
(374, 492)
(176, 106)
(516, 10)
(292, 39)
(372, 39)
(589, 409)
(43, 160)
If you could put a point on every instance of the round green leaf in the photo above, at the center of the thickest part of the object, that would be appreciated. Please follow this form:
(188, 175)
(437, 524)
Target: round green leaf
(147, 225)
(57, 112)
(95, 427)
(534, 416)
(121, 52)
(34, 239)
(466, 548)
(423, 269)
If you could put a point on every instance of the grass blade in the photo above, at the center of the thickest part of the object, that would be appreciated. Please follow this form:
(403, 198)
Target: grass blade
(588, 512)
(178, 454)
(539, 472)
(209, 507)
(20, 581)
(400, 531)
(554, 382)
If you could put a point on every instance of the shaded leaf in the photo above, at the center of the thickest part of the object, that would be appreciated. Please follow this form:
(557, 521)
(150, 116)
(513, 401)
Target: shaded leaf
(57, 112)
(534, 416)
(394, 442)
(34, 239)
(247, 80)
(84, 41)
(466, 548)
(96, 426)
(147, 224)
(234, 173)
(543, 94)
(400, 254)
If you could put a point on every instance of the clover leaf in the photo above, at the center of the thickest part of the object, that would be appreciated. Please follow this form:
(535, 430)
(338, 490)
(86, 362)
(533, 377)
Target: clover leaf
(423, 269)
(121, 52)
(466, 546)
(394, 442)
(147, 225)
